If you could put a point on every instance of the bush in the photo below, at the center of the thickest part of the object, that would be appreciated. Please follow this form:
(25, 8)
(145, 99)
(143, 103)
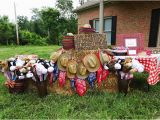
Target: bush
(30, 38)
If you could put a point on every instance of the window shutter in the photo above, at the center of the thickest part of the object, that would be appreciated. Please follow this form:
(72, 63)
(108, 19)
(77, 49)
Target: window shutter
(154, 28)
(114, 26)
(91, 23)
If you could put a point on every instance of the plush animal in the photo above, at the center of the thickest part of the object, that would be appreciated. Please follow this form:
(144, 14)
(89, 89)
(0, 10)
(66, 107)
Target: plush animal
(125, 76)
(137, 66)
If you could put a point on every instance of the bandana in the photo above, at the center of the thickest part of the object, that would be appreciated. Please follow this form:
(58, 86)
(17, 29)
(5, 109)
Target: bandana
(55, 72)
(101, 73)
(73, 83)
(51, 79)
(62, 78)
(126, 76)
(91, 79)
(80, 86)
(8, 75)
(10, 83)
(13, 76)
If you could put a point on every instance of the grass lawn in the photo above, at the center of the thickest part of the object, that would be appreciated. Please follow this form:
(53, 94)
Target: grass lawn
(94, 105)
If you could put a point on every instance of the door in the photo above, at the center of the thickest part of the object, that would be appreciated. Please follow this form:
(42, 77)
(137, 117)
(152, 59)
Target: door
(154, 37)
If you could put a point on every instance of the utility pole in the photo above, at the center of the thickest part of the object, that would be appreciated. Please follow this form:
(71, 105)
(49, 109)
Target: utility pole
(101, 14)
(17, 34)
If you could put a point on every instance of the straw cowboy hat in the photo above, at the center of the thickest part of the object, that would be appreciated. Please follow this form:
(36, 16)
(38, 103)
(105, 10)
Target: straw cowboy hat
(86, 26)
(70, 34)
(82, 71)
(62, 61)
(91, 62)
(55, 56)
(71, 69)
(104, 58)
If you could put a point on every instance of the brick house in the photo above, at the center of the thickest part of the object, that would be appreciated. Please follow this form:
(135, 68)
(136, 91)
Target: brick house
(124, 17)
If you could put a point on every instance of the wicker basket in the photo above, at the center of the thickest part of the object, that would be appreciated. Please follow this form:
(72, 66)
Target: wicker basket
(154, 50)
(83, 30)
(31, 85)
(68, 42)
(42, 88)
(19, 87)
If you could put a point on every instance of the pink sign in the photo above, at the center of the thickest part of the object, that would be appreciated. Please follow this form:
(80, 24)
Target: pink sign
(135, 42)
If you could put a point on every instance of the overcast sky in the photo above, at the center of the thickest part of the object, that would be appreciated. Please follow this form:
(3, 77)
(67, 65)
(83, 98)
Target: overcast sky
(24, 7)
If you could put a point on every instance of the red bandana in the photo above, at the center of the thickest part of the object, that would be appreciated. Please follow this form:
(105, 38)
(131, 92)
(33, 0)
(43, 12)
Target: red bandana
(51, 79)
(62, 78)
(101, 73)
(80, 86)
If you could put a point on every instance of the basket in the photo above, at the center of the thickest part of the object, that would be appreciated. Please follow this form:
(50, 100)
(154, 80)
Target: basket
(83, 30)
(120, 54)
(154, 50)
(42, 88)
(31, 85)
(19, 87)
(68, 42)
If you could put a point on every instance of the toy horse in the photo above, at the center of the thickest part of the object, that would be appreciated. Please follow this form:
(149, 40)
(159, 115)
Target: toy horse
(124, 77)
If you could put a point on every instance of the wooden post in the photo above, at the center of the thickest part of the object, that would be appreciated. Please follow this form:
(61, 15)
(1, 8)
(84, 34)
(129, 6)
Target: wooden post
(16, 24)
(101, 14)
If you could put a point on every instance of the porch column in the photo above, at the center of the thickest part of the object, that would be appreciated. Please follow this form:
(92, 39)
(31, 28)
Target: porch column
(101, 14)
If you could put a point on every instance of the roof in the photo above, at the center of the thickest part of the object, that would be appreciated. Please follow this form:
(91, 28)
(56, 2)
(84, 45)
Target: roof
(94, 3)
(87, 5)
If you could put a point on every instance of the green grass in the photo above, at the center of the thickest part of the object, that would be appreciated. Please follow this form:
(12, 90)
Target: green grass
(94, 105)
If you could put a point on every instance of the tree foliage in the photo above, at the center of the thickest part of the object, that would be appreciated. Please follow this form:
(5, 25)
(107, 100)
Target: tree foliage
(46, 26)
(6, 31)
(30, 38)
(65, 7)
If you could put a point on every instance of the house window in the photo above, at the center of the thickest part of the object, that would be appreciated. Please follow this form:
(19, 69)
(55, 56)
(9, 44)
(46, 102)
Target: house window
(96, 25)
(109, 28)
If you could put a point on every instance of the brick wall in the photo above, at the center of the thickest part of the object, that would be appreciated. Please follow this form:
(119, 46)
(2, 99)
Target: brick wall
(132, 17)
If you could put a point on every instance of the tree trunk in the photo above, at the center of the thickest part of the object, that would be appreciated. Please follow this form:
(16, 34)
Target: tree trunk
(48, 34)
(7, 42)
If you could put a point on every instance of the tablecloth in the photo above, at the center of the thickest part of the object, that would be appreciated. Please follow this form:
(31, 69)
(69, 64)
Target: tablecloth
(150, 65)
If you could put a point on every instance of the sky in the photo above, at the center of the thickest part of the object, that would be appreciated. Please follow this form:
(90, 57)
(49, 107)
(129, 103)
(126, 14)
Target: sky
(24, 7)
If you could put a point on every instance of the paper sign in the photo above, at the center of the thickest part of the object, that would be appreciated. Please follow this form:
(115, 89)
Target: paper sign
(131, 42)
(132, 52)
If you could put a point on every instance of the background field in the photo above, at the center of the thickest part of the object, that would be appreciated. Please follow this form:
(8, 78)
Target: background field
(94, 105)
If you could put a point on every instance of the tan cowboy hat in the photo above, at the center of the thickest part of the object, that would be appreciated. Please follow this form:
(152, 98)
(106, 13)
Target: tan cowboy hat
(70, 34)
(86, 26)
(71, 69)
(62, 61)
(104, 58)
(82, 71)
(91, 62)
(54, 57)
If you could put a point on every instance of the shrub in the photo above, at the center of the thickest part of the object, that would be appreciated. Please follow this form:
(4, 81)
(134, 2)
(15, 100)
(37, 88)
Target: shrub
(30, 38)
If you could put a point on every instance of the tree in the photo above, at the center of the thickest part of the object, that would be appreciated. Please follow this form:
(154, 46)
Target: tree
(65, 7)
(23, 23)
(50, 17)
(68, 18)
(6, 31)
(36, 23)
